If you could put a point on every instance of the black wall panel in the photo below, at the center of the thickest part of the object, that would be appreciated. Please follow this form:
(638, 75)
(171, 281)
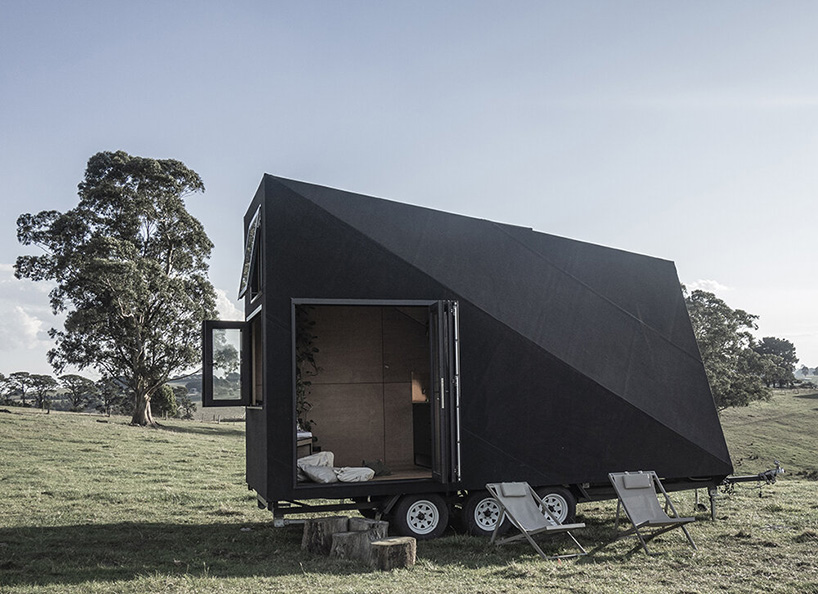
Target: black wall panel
(577, 360)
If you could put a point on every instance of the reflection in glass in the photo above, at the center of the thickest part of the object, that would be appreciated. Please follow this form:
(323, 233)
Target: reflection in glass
(226, 372)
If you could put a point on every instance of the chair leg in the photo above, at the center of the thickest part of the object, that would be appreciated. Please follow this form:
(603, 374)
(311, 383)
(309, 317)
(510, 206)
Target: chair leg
(644, 544)
(576, 542)
(690, 538)
(536, 546)
(497, 526)
(544, 556)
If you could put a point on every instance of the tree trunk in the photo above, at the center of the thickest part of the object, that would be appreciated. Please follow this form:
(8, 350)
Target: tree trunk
(393, 553)
(317, 537)
(350, 545)
(142, 411)
(355, 544)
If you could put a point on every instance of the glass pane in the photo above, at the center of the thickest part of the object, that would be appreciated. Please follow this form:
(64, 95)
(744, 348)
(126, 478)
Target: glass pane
(226, 368)
(249, 252)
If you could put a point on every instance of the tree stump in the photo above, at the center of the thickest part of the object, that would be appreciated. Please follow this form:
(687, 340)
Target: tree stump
(393, 553)
(350, 545)
(375, 528)
(355, 543)
(318, 533)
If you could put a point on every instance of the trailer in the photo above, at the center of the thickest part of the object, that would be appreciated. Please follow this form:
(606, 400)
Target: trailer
(444, 352)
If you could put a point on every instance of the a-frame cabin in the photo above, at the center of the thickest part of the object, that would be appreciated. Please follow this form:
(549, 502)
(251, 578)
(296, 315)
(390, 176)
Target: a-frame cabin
(453, 352)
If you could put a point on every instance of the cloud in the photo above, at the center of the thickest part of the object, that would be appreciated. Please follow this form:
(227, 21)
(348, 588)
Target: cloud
(711, 286)
(25, 317)
(227, 307)
(21, 330)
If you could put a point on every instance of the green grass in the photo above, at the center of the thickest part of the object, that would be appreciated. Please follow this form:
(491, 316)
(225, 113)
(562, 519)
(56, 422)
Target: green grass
(93, 506)
(785, 429)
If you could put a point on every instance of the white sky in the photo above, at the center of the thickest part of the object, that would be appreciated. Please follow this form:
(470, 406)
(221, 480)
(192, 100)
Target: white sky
(683, 130)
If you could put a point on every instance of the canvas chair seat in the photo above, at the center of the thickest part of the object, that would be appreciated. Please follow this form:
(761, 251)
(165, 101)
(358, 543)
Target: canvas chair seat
(527, 513)
(638, 495)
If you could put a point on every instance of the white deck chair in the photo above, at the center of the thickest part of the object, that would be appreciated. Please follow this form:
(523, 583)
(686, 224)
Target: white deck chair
(527, 512)
(638, 494)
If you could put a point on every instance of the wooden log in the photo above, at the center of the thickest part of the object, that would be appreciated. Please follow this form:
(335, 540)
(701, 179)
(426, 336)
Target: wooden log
(375, 528)
(350, 545)
(355, 543)
(317, 537)
(393, 553)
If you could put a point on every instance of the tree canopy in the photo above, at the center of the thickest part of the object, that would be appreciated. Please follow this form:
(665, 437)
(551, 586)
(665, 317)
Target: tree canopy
(79, 391)
(20, 383)
(733, 368)
(780, 356)
(42, 388)
(130, 266)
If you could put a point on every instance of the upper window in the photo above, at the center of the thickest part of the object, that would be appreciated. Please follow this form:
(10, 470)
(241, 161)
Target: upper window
(251, 270)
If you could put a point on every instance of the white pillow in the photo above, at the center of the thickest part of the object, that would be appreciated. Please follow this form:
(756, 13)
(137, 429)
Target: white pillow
(513, 489)
(320, 474)
(354, 475)
(637, 481)
(317, 459)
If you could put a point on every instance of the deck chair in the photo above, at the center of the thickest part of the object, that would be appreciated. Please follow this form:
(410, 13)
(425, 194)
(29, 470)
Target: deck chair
(638, 495)
(527, 512)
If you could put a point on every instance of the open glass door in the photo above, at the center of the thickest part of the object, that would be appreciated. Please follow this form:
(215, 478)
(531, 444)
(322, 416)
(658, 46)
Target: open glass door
(223, 380)
(445, 387)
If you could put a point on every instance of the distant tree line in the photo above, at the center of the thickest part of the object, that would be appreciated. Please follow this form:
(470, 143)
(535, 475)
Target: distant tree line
(740, 368)
(806, 371)
(75, 393)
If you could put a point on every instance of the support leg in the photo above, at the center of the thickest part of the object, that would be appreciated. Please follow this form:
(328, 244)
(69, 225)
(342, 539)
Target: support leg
(714, 493)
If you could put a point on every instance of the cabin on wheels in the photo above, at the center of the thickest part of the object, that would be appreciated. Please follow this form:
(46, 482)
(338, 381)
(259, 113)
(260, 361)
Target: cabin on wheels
(440, 353)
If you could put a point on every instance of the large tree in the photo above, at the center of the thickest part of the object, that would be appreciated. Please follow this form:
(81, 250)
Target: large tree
(79, 391)
(733, 368)
(130, 266)
(20, 384)
(42, 388)
(781, 357)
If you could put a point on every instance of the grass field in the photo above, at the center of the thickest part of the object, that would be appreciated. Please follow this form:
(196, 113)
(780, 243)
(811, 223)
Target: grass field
(94, 505)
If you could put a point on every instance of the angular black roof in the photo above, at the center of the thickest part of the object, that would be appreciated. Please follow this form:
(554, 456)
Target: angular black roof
(615, 319)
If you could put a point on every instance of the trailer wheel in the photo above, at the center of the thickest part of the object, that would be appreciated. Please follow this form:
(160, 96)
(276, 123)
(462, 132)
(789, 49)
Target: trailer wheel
(560, 503)
(480, 514)
(421, 516)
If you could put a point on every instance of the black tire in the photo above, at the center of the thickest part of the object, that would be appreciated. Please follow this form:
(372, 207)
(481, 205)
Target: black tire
(480, 514)
(560, 502)
(422, 516)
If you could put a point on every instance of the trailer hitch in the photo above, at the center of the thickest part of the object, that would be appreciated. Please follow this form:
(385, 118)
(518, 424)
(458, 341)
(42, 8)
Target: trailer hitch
(767, 477)
(728, 485)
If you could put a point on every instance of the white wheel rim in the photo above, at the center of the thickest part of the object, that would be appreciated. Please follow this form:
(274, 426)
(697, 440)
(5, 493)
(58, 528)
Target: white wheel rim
(422, 517)
(486, 514)
(557, 506)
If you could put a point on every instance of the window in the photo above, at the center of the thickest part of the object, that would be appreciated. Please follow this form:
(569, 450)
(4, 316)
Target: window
(223, 363)
(251, 269)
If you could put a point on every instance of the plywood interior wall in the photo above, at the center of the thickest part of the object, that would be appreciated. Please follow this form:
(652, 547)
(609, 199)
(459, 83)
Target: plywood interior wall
(362, 396)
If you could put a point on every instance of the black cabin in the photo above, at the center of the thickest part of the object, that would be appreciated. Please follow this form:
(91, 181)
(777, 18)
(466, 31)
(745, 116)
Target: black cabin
(453, 352)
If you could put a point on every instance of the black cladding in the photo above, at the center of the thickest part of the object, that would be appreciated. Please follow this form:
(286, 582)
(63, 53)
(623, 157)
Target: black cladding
(576, 359)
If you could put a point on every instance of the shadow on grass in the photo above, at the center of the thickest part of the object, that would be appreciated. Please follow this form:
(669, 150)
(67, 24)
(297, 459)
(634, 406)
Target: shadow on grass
(812, 396)
(221, 429)
(111, 552)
